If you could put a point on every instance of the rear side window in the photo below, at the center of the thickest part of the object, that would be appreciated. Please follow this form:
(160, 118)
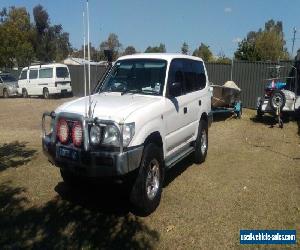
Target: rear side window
(189, 75)
(33, 74)
(62, 72)
(200, 77)
(23, 75)
(46, 73)
(176, 73)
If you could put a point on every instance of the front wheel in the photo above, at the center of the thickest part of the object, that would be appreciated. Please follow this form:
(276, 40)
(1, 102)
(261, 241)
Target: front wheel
(5, 93)
(146, 191)
(71, 179)
(24, 93)
(201, 143)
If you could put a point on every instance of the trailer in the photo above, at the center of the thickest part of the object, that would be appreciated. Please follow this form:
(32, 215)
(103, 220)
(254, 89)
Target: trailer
(226, 99)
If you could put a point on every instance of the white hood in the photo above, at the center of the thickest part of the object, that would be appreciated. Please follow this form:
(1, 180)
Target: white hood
(109, 106)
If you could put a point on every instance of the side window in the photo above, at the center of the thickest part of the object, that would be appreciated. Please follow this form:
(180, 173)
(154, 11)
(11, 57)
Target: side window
(189, 75)
(33, 74)
(46, 73)
(200, 77)
(23, 75)
(176, 73)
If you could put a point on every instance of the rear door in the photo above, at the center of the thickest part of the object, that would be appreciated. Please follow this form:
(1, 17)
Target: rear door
(196, 93)
(62, 78)
(177, 116)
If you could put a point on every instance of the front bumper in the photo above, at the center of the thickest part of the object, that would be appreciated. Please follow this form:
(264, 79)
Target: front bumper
(93, 163)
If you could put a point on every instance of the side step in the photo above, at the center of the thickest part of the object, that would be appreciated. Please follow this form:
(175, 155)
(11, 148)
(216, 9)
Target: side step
(175, 159)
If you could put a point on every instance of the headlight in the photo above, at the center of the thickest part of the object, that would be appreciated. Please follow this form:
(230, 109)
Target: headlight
(128, 133)
(111, 136)
(95, 134)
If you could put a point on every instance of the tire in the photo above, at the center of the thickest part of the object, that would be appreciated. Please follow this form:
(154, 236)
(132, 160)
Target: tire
(5, 94)
(46, 93)
(24, 93)
(277, 100)
(259, 113)
(201, 143)
(146, 191)
(71, 179)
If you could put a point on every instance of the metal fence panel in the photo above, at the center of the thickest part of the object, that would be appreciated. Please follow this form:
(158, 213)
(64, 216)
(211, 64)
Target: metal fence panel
(251, 77)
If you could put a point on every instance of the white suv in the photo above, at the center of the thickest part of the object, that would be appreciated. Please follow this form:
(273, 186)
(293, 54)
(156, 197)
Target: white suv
(150, 111)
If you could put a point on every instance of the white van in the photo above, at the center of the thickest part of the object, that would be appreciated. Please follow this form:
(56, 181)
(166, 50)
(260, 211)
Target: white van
(45, 80)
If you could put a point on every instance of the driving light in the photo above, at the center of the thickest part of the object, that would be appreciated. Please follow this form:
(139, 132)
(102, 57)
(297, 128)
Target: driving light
(111, 136)
(63, 131)
(77, 134)
(128, 133)
(95, 134)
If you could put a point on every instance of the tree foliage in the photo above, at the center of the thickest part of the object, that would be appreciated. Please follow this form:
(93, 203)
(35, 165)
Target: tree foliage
(23, 42)
(15, 32)
(185, 48)
(129, 50)
(203, 52)
(265, 44)
(112, 43)
(156, 49)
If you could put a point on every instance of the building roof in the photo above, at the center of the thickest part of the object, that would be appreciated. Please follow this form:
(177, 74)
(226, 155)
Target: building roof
(80, 61)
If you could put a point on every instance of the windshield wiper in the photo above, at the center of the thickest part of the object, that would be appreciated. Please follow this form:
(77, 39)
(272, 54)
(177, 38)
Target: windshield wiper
(133, 91)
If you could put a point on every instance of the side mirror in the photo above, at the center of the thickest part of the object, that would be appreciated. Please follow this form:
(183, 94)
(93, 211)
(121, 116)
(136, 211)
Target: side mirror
(175, 89)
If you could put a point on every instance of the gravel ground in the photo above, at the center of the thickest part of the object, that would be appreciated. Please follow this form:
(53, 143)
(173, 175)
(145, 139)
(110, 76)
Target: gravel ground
(250, 180)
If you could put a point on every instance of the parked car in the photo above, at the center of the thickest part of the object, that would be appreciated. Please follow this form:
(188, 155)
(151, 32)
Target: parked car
(8, 85)
(45, 80)
(151, 111)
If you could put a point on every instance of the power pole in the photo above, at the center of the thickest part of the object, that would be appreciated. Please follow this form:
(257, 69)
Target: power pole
(294, 37)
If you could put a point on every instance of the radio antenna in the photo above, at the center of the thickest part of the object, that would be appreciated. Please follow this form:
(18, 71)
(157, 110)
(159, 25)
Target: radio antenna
(89, 55)
(84, 66)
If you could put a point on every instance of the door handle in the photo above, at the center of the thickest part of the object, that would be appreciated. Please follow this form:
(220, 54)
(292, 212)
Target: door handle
(185, 110)
(199, 102)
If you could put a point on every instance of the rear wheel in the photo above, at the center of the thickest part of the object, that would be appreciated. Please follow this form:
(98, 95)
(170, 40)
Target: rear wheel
(259, 113)
(146, 191)
(46, 93)
(5, 93)
(201, 143)
(24, 93)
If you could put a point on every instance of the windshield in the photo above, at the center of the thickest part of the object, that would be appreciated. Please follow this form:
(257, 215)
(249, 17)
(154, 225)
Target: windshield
(8, 78)
(145, 76)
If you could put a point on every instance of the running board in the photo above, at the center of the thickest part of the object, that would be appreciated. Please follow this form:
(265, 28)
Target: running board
(170, 163)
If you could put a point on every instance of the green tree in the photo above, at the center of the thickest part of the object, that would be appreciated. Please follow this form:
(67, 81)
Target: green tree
(156, 49)
(129, 50)
(185, 48)
(112, 43)
(15, 38)
(95, 54)
(222, 58)
(50, 42)
(265, 44)
(203, 52)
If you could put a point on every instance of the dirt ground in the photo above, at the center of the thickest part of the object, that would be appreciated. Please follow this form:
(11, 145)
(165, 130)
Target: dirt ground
(250, 180)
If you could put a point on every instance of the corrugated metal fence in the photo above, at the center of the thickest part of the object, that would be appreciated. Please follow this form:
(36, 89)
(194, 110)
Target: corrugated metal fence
(249, 76)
